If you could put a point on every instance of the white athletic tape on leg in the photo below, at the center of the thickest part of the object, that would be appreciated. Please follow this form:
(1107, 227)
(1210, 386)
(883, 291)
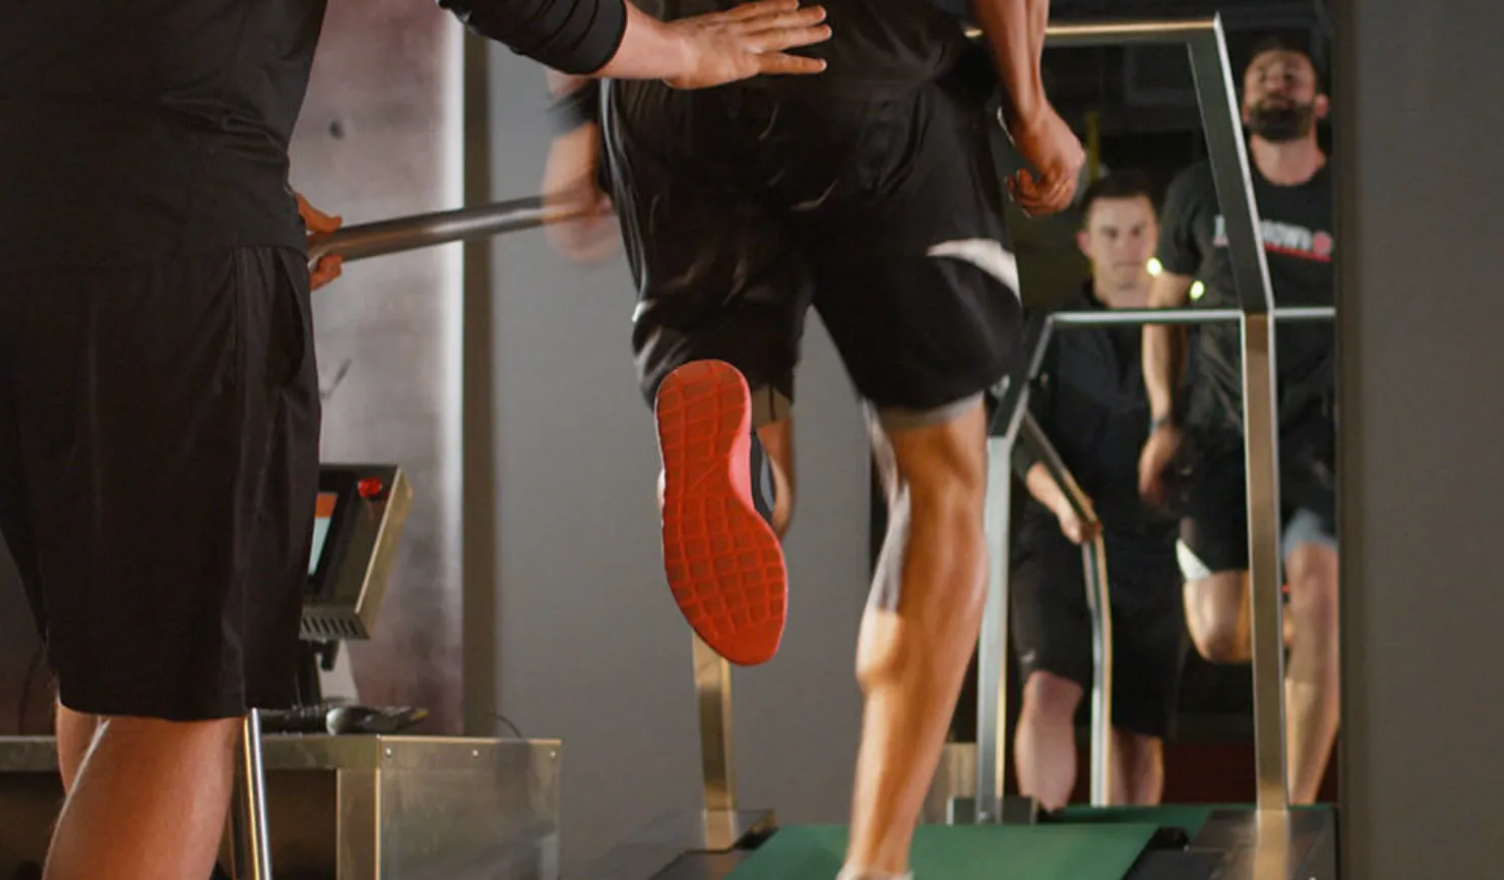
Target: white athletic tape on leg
(986, 254)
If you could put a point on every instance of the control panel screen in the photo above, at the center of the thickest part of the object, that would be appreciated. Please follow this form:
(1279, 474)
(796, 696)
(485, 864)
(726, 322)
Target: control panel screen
(323, 516)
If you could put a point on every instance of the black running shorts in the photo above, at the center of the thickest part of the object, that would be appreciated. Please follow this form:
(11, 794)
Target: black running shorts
(159, 432)
(742, 206)
(1214, 527)
(1052, 622)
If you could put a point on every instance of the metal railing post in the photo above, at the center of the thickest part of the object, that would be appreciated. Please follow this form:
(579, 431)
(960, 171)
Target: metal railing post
(250, 841)
(1099, 608)
(1232, 176)
(992, 646)
(717, 757)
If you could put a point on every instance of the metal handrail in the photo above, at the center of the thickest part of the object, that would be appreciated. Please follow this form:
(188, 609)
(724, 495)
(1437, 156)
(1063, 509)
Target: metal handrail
(1094, 557)
(1231, 177)
(1098, 605)
(439, 227)
(1183, 316)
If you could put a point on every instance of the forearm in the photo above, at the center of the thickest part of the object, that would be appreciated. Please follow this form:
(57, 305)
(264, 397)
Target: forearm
(1044, 488)
(1015, 29)
(580, 37)
(649, 49)
(1161, 369)
(1162, 355)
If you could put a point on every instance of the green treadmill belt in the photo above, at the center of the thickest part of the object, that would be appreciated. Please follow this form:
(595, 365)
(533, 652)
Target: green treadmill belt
(963, 852)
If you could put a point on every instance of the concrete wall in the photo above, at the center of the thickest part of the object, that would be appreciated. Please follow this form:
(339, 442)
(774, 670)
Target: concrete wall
(591, 647)
(379, 137)
(1422, 412)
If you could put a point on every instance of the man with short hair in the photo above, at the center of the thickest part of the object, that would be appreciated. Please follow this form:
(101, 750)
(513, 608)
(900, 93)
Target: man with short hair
(1089, 401)
(159, 409)
(1282, 102)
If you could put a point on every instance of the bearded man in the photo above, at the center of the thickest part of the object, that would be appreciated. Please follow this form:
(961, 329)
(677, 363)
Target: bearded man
(1198, 437)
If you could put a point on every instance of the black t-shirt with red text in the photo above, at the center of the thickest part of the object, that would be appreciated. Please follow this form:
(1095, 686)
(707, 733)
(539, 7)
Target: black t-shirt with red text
(1296, 222)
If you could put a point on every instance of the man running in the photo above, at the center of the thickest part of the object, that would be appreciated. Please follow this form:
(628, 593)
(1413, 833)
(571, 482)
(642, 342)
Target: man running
(1282, 101)
(1089, 400)
(868, 193)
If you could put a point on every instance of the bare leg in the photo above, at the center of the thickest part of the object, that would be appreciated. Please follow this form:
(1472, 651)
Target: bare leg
(1312, 681)
(75, 734)
(1140, 776)
(778, 442)
(1045, 754)
(920, 630)
(149, 802)
(1219, 617)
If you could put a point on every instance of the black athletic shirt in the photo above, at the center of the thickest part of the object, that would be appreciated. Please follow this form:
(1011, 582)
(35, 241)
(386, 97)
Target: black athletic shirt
(877, 47)
(1089, 399)
(1299, 248)
(138, 130)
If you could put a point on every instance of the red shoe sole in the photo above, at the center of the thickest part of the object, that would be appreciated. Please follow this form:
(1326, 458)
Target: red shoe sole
(724, 562)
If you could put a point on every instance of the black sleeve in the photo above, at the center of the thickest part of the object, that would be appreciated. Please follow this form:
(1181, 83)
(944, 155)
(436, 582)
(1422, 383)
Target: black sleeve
(1178, 253)
(570, 36)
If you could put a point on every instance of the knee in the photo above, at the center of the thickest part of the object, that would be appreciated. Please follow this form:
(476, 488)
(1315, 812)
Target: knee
(942, 469)
(1050, 697)
(1220, 641)
(1214, 614)
(1314, 579)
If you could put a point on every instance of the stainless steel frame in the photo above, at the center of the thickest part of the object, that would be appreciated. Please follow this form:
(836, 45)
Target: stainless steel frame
(1204, 40)
(349, 807)
(430, 230)
(1019, 427)
(251, 848)
(1098, 604)
(717, 757)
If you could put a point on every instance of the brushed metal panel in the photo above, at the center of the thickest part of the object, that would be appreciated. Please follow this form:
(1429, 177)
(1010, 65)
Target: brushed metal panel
(381, 136)
(357, 807)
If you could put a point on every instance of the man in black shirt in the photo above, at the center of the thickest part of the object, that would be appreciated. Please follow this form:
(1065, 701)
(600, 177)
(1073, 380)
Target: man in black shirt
(1292, 184)
(159, 409)
(869, 194)
(1089, 400)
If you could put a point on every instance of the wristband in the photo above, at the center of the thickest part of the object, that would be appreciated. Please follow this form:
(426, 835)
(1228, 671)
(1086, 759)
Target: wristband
(576, 109)
(1161, 422)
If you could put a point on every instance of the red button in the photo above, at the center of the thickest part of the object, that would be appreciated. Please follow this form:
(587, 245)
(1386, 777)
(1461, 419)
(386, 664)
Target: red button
(371, 488)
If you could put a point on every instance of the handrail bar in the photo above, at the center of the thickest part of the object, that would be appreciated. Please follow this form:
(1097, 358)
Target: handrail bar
(1117, 317)
(1019, 426)
(435, 228)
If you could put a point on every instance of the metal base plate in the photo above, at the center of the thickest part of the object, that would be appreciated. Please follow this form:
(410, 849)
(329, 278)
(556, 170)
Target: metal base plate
(1016, 811)
(693, 841)
(1298, 845)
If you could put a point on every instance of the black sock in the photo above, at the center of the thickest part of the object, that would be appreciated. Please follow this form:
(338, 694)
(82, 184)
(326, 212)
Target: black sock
(764, 487)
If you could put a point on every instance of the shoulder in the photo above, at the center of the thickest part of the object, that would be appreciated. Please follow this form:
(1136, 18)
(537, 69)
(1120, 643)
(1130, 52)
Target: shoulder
(1194, 180)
